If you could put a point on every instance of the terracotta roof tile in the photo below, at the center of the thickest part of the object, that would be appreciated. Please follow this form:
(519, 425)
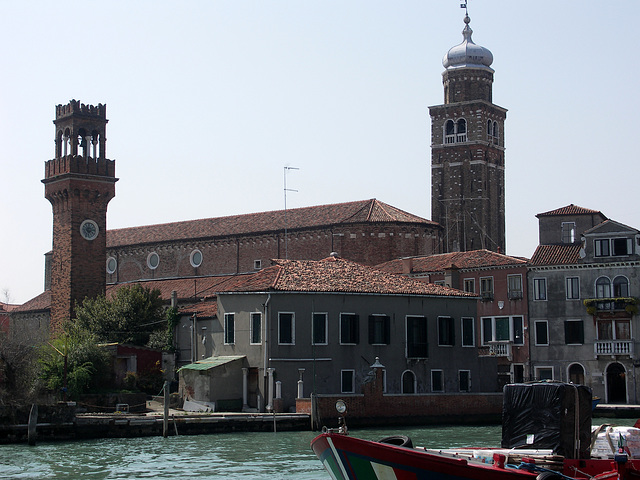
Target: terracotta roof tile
(39, 303)
(194, 287)
(570, 210)
(371, 211)
(556, 254)
(336, 275)
(461, 260)
(207, 308)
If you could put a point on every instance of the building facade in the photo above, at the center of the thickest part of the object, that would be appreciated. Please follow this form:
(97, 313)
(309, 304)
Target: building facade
(467, 152)
(324, 323)
(583, 304)
(502, 324)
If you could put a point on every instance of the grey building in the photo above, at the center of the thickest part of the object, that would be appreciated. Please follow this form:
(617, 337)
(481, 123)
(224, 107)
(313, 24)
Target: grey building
(318, 326)
(583, 306)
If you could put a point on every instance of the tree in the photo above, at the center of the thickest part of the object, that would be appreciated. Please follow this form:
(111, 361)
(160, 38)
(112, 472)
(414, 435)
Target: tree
(131, 315)
(18, 372)
(74, 360)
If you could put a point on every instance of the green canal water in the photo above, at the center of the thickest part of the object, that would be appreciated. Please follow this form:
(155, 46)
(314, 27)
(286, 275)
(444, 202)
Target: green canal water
(283, 455)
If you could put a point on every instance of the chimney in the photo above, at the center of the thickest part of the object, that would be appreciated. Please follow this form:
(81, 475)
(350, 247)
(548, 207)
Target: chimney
(407, 266)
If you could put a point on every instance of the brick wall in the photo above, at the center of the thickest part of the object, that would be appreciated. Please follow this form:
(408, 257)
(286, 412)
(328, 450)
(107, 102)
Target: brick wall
(373, 408)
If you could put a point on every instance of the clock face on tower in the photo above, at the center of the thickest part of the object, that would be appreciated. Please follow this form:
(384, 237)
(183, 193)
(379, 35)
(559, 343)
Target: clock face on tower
(89, 229)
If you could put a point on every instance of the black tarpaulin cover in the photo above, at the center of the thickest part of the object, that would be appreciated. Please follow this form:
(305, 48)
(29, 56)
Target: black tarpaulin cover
(547, 415)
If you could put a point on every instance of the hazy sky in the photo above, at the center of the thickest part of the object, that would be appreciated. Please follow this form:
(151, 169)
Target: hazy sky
(209, 100)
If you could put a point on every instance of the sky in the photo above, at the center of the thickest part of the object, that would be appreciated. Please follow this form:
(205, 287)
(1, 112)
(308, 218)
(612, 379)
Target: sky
(208, 101)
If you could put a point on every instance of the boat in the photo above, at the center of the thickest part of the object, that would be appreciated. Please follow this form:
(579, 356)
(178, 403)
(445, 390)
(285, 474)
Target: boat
(546, 435)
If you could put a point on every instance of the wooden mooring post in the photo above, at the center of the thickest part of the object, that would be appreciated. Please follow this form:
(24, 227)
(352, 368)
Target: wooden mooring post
(33, 423)
(165, 416)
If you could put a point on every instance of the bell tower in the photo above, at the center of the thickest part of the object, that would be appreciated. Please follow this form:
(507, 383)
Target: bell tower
(79, 182)
(467, 152)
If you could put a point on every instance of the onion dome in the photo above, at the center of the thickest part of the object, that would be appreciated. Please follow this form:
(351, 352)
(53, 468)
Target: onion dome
(468, 54)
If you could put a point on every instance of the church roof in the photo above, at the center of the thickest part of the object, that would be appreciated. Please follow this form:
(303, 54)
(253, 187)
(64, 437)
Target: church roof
(565, 254)
(570, 210)
(461, 260)
(364, 211)
(337, 275)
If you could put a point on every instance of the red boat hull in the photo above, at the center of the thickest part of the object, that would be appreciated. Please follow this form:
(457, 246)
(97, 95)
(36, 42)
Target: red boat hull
(349, 458)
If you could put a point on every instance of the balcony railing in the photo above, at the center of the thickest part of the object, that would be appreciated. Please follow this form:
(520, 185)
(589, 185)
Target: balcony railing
(496, 349)
(514, 294)
(613, 347)
(620, 304)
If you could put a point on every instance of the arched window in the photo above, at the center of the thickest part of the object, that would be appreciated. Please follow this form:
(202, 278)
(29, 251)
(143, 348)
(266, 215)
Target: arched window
(620, 286)
(603, 287)
(408, 382)
(576, 374)
(449, 132)
(495, 132)
(489, 129)
(461, 133)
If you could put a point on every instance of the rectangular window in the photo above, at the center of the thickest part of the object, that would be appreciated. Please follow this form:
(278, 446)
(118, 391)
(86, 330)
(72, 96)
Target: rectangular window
(464, 380)
(470, 285)
(573, 288)
(502, 329)
(542, 332)
(349, 329)
(446, 332)
(286, 328)
(487, 330)
(574, 332)
(514, 285)
(518, 330)
(614, 329)
(347, 381)
(468, 332)
(544, 373)
(568, 232)
(229, 328)
(601, 247)
(256, 328)
(417, 346)
(257, 264)
(437, 381)
(539, 288)
(319, 328)
(379, 329)
(486, 288)
(622, 246)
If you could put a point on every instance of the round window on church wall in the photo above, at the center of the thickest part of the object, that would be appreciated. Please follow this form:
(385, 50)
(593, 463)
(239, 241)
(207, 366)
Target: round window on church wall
(196, 258)
(153, 260)
(112, 265)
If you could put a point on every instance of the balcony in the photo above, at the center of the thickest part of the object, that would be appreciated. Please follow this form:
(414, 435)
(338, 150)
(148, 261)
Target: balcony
(613, 347)
(611, 305)
(496, 349)
(514, 294)
(486, 296)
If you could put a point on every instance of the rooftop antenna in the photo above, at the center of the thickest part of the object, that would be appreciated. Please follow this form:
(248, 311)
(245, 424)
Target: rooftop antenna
(286, 250)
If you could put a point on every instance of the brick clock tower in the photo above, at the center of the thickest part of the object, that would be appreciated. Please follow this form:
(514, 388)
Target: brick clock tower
(467, 152)
(79, 183)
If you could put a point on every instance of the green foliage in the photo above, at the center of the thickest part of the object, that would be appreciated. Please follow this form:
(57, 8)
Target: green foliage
(88, 364)
(18, 372)
(130, 316)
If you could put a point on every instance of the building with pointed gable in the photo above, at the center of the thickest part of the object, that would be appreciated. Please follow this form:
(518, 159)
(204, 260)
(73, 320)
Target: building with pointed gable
(583, 302)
